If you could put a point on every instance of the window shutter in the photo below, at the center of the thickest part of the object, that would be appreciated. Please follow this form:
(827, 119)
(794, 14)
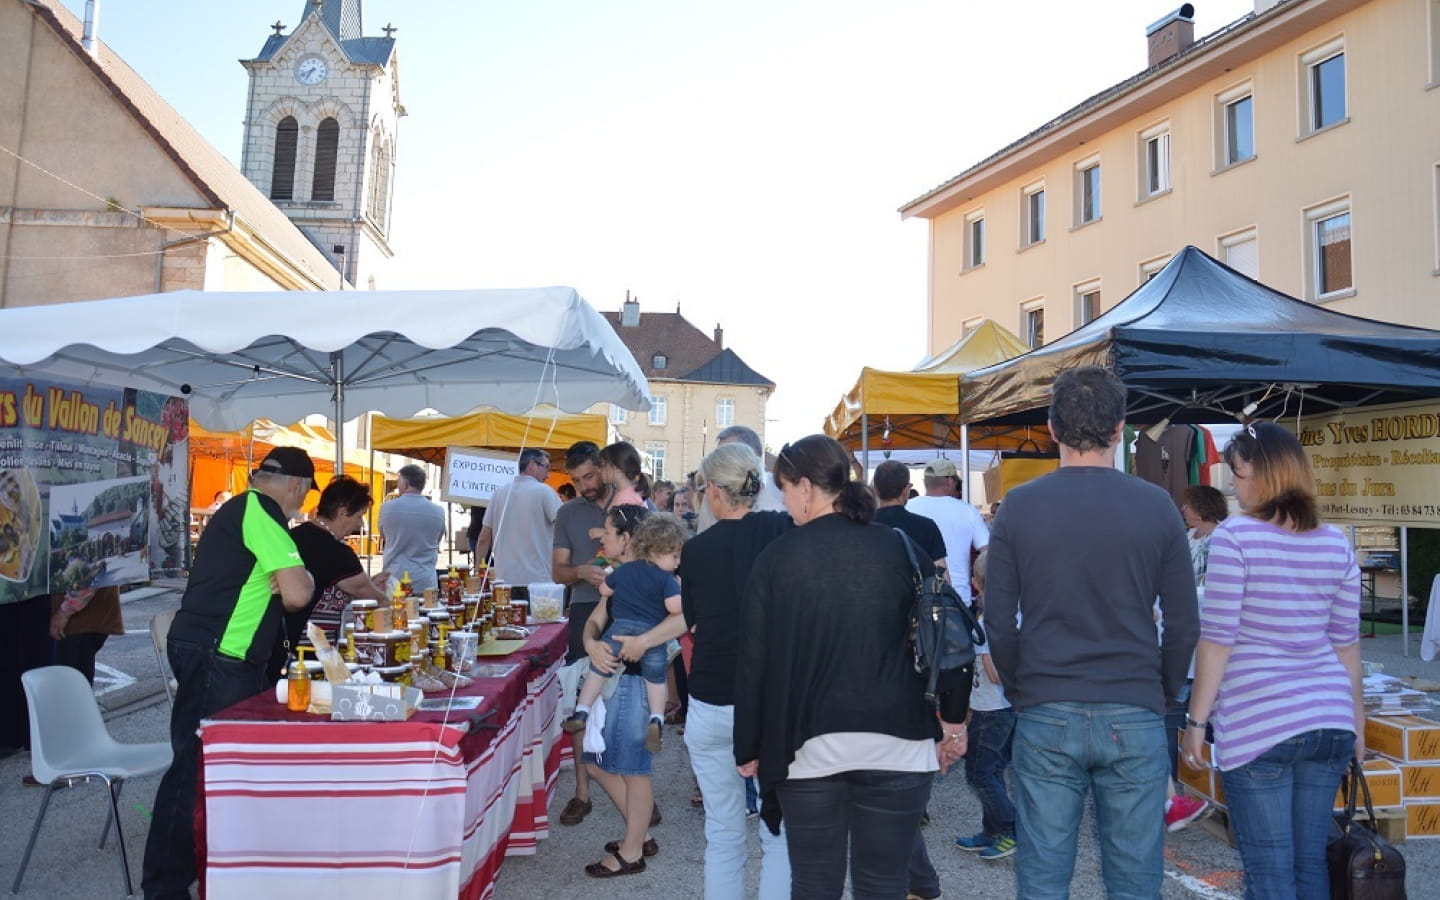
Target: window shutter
(282, 176)
(327, 149)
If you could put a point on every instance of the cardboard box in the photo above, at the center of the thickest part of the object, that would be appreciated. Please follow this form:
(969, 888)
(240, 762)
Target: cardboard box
(1403, 738)
(1419, 781)
(1422, 819)
(1203, 779)
(373, 702)
(1384, 778)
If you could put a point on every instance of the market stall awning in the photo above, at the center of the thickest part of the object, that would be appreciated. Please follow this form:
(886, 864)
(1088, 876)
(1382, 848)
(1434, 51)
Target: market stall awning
(920, 408)
(1200, 342)
(427, 437)
(286, 355)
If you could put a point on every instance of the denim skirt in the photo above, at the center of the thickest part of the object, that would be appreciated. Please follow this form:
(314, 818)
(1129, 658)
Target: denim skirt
(627, 714)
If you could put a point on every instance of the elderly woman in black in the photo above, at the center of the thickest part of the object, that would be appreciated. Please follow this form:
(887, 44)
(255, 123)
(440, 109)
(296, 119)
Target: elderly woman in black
(829, 711)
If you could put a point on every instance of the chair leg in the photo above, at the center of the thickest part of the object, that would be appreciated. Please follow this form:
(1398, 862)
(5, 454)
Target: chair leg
(120, 835)
(34, 833)
(115, 787)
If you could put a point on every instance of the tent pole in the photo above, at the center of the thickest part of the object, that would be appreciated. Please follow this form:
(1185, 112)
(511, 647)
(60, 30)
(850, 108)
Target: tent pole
(865, 444)
(965, 491)
(337, 372)
(1404, 590)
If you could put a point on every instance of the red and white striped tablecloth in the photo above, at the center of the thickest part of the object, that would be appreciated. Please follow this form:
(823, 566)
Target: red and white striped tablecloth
(424, 808)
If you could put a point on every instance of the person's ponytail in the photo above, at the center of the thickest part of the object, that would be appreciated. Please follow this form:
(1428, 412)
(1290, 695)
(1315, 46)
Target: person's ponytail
(856, 502)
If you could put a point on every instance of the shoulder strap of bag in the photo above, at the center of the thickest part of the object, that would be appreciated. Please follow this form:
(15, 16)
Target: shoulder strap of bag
(920, 617)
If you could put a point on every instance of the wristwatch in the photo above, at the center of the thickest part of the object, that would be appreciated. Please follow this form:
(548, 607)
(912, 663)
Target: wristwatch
(1191, 723)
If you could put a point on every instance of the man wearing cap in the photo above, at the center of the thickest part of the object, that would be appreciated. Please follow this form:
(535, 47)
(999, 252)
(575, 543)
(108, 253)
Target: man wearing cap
(520, 525)
(221, 638)
(412, 528)
(960, 523)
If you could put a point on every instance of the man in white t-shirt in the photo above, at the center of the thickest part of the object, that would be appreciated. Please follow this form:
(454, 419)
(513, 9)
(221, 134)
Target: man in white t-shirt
(960, 523)
(520, 524)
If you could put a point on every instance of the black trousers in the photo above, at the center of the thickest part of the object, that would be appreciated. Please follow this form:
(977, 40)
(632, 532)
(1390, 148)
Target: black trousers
(24, 645)
(871, 816)
(207, 683)
(78, 651)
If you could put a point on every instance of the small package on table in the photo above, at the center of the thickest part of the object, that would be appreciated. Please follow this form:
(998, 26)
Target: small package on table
(351, 702)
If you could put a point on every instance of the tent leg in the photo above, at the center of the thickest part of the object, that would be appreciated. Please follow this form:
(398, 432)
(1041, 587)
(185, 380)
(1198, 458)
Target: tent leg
(865, 445)
(965, 491)
(1404, 590)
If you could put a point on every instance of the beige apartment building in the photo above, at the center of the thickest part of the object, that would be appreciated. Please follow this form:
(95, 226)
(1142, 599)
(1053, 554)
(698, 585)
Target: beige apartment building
(1300, 145)
(698, 388)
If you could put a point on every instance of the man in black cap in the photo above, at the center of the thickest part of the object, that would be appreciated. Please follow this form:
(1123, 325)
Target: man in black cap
(222, 636)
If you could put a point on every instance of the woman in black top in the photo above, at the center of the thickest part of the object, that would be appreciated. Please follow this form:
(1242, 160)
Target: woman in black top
(714, 567)
(829, 711)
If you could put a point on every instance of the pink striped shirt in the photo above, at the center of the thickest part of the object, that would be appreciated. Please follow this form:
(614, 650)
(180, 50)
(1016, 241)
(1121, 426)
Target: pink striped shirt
(1282, 602)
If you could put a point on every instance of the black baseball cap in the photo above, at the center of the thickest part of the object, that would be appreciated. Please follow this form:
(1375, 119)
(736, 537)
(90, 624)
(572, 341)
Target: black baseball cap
(290, 461)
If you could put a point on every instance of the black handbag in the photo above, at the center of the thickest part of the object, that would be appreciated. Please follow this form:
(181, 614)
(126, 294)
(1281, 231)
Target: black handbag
(945, 630)
(1362, 864)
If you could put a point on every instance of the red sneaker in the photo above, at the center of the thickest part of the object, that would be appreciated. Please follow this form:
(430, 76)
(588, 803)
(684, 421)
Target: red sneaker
(1182, 809)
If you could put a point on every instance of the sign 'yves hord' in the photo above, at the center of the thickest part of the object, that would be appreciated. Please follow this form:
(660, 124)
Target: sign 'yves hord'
(1377, 466)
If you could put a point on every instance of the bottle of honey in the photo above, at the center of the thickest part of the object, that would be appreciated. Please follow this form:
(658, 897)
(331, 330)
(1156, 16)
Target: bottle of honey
(298, 684)
(399, 617)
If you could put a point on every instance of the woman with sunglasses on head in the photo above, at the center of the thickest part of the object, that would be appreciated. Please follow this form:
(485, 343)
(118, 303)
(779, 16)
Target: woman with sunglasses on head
(1277, 669)
(829, 711)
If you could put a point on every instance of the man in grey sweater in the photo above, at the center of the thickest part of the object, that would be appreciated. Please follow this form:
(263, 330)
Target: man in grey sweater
(1077, 561)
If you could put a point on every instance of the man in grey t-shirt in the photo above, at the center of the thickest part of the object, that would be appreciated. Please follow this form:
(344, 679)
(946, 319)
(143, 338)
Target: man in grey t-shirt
(520, 524)
(412, 527)
(570, 565)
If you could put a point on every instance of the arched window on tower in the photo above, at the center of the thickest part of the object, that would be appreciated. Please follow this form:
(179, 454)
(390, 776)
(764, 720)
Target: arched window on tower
(282, 176)
(327, 150)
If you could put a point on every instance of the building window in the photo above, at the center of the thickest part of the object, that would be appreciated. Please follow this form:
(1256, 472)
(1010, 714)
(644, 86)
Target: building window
(1149, 268)
(1241, 252)
(657, 410)
(327, 150)
(659, 361)
(1032, 323)
(1328, 243)
(724, 412)
(1087, 191)
(1434, 43)
(1033, 214)
(968, 327)
(1087, 302)
(1236, 125)
(380, 170)
(282, 174)
(1323, 73)
(656, 451)
(975, 240)
(1155, 160)
(618, 415)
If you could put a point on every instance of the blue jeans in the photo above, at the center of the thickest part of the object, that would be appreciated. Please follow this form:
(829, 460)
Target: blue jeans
(709, 736)
(985, 764)
(1280, 808)
(1117, 752)
(652, 664)
(871, 816)
(206, 683)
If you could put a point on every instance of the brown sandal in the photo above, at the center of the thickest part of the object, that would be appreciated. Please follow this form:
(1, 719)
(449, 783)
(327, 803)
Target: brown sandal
(649, 848)
(598, 869)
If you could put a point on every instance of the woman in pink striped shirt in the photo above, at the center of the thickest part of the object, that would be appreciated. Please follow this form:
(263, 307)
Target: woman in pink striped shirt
(1277, 669)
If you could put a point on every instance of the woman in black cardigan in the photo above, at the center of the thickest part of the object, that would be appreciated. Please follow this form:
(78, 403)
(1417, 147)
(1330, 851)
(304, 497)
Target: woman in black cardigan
(829, 711)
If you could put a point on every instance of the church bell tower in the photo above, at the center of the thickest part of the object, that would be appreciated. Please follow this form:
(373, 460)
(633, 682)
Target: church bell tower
(320, 133)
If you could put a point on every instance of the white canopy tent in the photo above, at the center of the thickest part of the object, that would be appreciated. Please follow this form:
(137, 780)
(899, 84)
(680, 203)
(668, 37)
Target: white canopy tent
(286, 355)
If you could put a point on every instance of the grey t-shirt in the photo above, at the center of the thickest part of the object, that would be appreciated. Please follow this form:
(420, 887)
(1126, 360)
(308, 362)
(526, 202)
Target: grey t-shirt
(412, 527)
(572, 532)
(521, 516)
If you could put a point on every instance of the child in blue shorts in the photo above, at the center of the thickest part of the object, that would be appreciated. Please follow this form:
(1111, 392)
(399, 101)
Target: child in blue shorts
(641, 594)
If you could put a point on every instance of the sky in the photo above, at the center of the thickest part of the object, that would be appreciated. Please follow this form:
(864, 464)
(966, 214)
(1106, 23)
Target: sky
(742, 161)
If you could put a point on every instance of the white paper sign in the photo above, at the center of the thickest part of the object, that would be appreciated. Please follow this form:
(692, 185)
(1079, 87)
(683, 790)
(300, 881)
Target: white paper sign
(473, 475)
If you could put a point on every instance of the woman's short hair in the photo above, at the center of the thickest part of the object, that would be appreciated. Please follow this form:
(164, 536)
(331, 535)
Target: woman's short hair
(344, 496)
(1206, 502)
(659, 533)
(891, 480)
(826, 464)
(1087, 405)
(735, 470)
(1284, 485)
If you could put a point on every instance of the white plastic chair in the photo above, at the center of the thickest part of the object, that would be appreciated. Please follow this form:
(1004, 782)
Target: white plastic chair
(69, 742)
(159, 634)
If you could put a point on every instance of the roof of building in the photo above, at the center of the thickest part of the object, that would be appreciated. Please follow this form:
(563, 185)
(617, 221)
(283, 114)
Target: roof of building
(686, 349)
(213, 176)
(343, 19)
(1092, 103)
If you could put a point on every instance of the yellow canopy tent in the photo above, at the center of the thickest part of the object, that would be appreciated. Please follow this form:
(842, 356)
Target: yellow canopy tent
(427, 437)
(920, 409)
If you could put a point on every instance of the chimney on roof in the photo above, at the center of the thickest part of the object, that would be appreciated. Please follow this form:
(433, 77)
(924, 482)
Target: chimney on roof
(1174, 32)
(630, 312)
(719, 336)
(92, 25)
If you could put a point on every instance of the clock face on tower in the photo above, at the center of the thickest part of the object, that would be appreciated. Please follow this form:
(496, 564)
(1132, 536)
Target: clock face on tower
(311, 70)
